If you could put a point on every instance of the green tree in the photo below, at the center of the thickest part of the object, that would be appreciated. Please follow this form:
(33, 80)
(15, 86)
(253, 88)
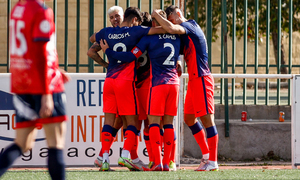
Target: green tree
(216, 19)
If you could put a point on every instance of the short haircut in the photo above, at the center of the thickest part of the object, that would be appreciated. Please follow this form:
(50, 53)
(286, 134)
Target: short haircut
(115, 8)
(132, 12)
(147, 20)
(171, 9)
(162, 14)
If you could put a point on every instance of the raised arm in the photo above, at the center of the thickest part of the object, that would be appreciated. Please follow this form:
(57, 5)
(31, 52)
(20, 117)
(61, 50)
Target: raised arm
(93, 53)
(157, 30)
(167, 25)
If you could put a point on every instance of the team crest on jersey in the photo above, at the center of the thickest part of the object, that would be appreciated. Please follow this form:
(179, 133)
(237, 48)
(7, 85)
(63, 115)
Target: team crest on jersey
(136, 50)
(45, 26)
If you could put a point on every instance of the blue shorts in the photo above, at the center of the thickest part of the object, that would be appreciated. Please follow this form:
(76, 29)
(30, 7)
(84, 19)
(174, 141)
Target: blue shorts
(27, 108)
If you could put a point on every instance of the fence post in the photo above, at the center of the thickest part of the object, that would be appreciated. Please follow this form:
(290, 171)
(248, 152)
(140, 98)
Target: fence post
(224, 39)
(91, 31)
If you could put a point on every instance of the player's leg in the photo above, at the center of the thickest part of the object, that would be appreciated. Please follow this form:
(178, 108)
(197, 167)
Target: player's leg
(212, 140)
(23, 142)
(134, 151)
(110, 111)
(55, 135)
(191, 121)
(148, 143)
(168, 140)
(107, 138)
(128, 106)
(172, 164)
(170, 112)
(117, 125)
(142, 94)
(155, 141)
(204, 92)
(156, 108)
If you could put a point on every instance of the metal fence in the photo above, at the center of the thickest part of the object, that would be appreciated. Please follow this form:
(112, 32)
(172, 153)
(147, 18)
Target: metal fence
(228, 9)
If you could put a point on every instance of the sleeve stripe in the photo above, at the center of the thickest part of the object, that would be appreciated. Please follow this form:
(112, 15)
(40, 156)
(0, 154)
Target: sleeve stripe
(136, 52)
(41, 39)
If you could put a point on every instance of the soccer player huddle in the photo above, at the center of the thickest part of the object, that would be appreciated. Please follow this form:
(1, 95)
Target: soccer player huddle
(142, 84)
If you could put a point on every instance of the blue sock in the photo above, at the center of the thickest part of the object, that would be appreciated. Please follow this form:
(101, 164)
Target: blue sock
(8, 157)
(114, 132)
(196, 128)
(161, 132)
(56, 164)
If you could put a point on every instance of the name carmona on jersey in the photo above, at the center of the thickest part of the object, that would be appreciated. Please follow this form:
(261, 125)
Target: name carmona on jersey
(167, 36)
(118, 36)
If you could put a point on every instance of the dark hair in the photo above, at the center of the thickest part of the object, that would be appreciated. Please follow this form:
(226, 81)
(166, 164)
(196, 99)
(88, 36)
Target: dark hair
(171, 9)
(147, 20)
(132, 12)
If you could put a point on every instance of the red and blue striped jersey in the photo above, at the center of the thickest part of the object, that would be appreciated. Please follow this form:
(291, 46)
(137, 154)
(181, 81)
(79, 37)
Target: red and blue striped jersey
(163, 51)
(195, 50)
(122, 39)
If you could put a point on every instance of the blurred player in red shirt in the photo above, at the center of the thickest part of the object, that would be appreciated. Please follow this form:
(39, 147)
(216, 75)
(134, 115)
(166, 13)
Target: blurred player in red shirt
(38, 85)
(199, 101)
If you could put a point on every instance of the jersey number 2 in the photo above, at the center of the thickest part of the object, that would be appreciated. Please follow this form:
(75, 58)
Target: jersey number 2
(168, 60)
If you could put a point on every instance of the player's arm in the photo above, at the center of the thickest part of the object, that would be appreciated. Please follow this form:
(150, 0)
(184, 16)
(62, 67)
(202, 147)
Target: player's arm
(93, 38)
(167, 25)
(122, 56)
(157, 30)
(179, 67)
(93, 53)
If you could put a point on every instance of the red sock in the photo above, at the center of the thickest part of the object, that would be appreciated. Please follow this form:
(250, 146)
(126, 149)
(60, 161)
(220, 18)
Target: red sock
(213, 147)
(106, 141)
(134, 150)
(130, 137)
(148, 146)
(155, 142)
(168, 142)
(201, 140)
(173, 152)
(101, 151)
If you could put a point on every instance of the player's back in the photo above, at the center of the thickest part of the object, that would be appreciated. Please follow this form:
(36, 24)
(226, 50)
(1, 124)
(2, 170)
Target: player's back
(122, 39)
(163, 51)
(195, 50)
(30, 23)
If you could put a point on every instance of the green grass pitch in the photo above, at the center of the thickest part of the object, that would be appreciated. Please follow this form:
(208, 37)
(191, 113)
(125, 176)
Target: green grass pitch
(179, 174)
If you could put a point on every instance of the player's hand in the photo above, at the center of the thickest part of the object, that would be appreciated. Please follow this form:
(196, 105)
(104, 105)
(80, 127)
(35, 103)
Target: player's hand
(66, 77)
(103, 45)
(179, 69)
(47, 106)
(155, 13)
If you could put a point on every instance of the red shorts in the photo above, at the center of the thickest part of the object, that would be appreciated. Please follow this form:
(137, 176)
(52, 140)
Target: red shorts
(163, 100)
(199, 98)
(142, 94)
(119, 97)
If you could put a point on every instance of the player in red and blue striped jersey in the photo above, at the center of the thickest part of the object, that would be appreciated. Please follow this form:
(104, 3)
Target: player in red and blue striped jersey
(199, 98)
(163, 51)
